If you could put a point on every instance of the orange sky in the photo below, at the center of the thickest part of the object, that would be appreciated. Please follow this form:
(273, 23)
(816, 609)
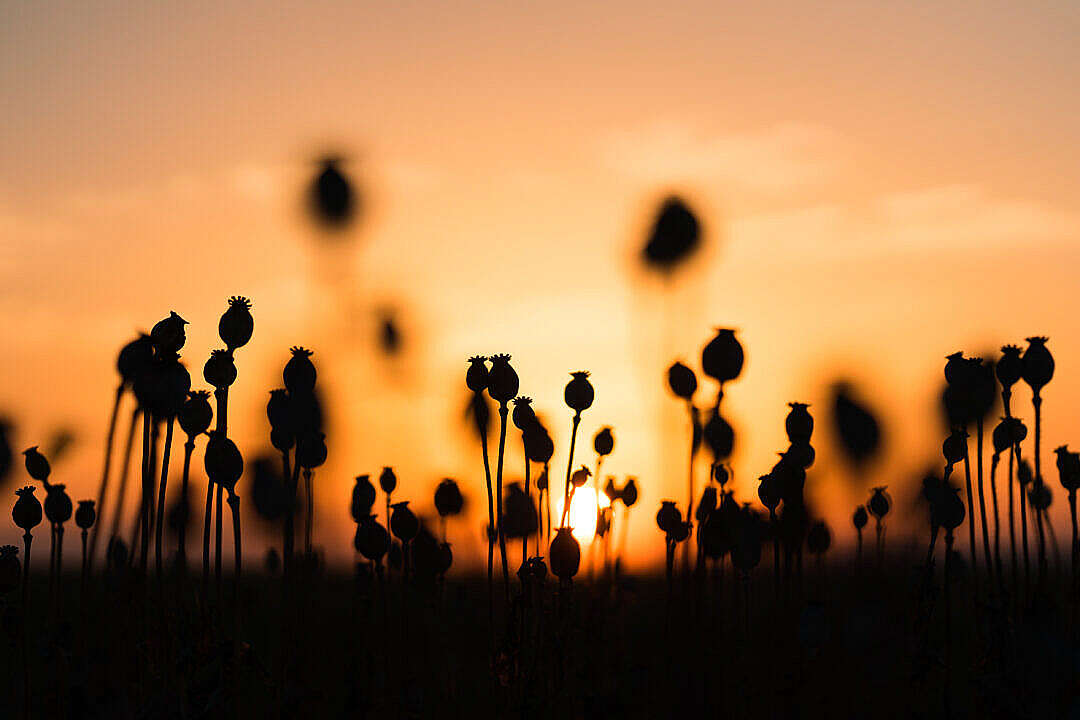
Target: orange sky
(880, 186)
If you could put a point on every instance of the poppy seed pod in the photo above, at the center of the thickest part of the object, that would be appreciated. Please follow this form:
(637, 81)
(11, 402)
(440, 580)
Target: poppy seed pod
(720, 474)
(722, 359)
(476, 377)
(629, 493)
(445, 558)
(705, 505)
(223, 462)
(668, 517)
(448, 498)
(682, 381)
(196, 414)
(680, 532)
(299, 372)
(236, 324)
(879, 503)
(799, 424)
(1019, 430)
(542, 480)
(579, 393)
(860, 518)
(170, 386)
(58, 505)
(363, 498)
(819, 538)
(36, 464)
(580, 477)
(332, 198)
(538, 445)
(801, 453)
(135, 357)
(675, 236)
(502, 380)
(523, 415)
(769, 491)
(1068, 465)
(949, 511)
(1040, 495)
(85, 514)
(610, 490)
(371, 539)
(1024, 473)
(10, 569)
(719, 436)
(857, 428)
(311, 450)
(220, 370)
(565, 554)
(387, 480)
(279, 410)
(403, 522)
(955, 447)
(604, 441)
(1010, 368)
(169, 335)
(282, 440)
(1038, 364)
(27, 510)
(955, 369)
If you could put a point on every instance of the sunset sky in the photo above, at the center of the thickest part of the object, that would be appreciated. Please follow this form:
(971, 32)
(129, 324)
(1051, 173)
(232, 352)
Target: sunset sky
(880, 184)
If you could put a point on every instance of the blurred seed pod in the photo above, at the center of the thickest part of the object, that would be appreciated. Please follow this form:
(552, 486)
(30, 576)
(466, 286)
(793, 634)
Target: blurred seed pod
(135, 358)
(879, 503)
(682, 381)
(371, 539)
(705, 505)
(604, 441)
(675, 236)
(36, 464)
(363, 498)
(268, 493)
(668, 518)
(538, 445)
(520, 518)
(448, 499)
(856, 427)
(955, 447)
(769, 491)
(819, 538)
(629, 493)
(580, 477)
(311, 450)
(722, 358)
(403, 523)
(332, 199)
(860, 517)
(719, 436)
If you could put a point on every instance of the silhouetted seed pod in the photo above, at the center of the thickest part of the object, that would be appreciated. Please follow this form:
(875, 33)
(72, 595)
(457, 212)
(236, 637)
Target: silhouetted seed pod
(675, 236)
(371, 539)
(523, 415)
(1068, 467)
(1002, 436)
(220, 370)
(983, 388)
(719, 436)
(819, 538)
(169, 335)
(332, 198)
(537, 568)
(603, 521)
(1040, 495)
(629, 493)
(196, 414)
(236, 324)
(403, 522)
(448, 499)
(801, 454)
(682, 381)
(856, 426)
(299, 372)
(27, 510)
(363, 498)
(668, 518)
(10, 569)
(715, 540)
(580, 477)
(949, 510)
(36, 464)
(604, 441)
(58, 507)
(282, 440)
(720, 474)
(610, 490)
(424, 558)
(955, 447)
(1018, 429)
(171, 384)
(85, 514)
(879, 503)
(1010, 368)
(135, 357)
(445, 558)
(476, 377)
(860, 518)
(769, 491)
(520, 518)
(579, 392)
(705, 505)
(279, 410)
(565, 554)
(799, 424)
(538, 445)
(1038, 364)
(791, 479)
(542, 480)
(680, 532)
(722, 358)
(223, 462)
(311, 450)
(955, 370)
(502, 380)
(1024, 474)
(387, 480)
(746, 554)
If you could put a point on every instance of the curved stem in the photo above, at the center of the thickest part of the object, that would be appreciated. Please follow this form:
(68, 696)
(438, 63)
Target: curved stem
(121, 491)
(982, 500)
(159, 527)
(503, 411)
(569, 467)
(481, 428)
(103, 487)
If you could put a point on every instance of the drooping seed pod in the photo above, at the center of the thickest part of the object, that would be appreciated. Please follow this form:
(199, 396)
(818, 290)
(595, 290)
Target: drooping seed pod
(1010, 367)
(668, 517)
(311, 450)
(579, 392)
(604, 441)
(879, 503)
(220, 369)
(85, 514)
(682, 381)
(955, 447)
(403, 522)
(371, 539)
(502, 379)
(363, 498)
(819, 538)
(268, 493)
(299, 373)
(223, 462)
(722, 358)
(1002, 436)
(674, 237)
(860, 518)
(387, 480)
(36, 464)
(580, 477)
(448, 499)
(196, 414)
(706, 504)
(134, 358)
(799, 424)
(523, 415)
(169, 334)
(769, 491)
(1038, 364)
(565, 554)
(10, 569)
(476, 377)
(58, 507)
(27, 511)
(236, 324)
(719, 436)
(538, 445)
(949, 511)
(629, 494)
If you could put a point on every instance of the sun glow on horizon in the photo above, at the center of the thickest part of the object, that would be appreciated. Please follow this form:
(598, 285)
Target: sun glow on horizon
(584, 508)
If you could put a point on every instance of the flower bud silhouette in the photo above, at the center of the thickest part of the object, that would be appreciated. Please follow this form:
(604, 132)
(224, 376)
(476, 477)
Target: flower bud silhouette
(604, 441)
(579, 392)
(58, 507)
(196, 414)
(538, 445)
(476, 377)
(769, 491)
(1038, 364)
(236, 324)
(668, 517)
(722, 358)
(520, 519)
(279, 410)
(682, 381)
(220, 370)
(10, 569)
(580, 477)
(720, 474)
(448, 498)
(801, 453)
(819, 538)
(523, 416)
(565, 554)
(860, 518)
(955, 369)
(954, 447)
(36, 464)
(85, 514)
(403, 523)
(1010, 367)
(134, 358)
(949, 510)
(1024, 474)
(363, 498)
(502, 380)
(27, 511)
(223, 462)
(169, 335)
(332, 198)
(719, 436)
(856, 427)
(387, 480)
(880, 503)
(299, 372)
(311, 450)
(1040, 495)
(371, 539)
(674, 237)
(1068, 466)
(799, 424)
(629, 493)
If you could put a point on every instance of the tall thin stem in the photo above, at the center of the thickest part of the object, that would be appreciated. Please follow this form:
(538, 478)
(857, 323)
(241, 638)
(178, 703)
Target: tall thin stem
(309, 521)
(503, 411)
(1036, 401)
(209, 509)
(971, 524)
(481, 427)
(103, 487)
(982, 499)
(994, 460)
(121, 491)
(144, 530)
(569, 467)
(159, 528)
(1023, 525)
(181, 539)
